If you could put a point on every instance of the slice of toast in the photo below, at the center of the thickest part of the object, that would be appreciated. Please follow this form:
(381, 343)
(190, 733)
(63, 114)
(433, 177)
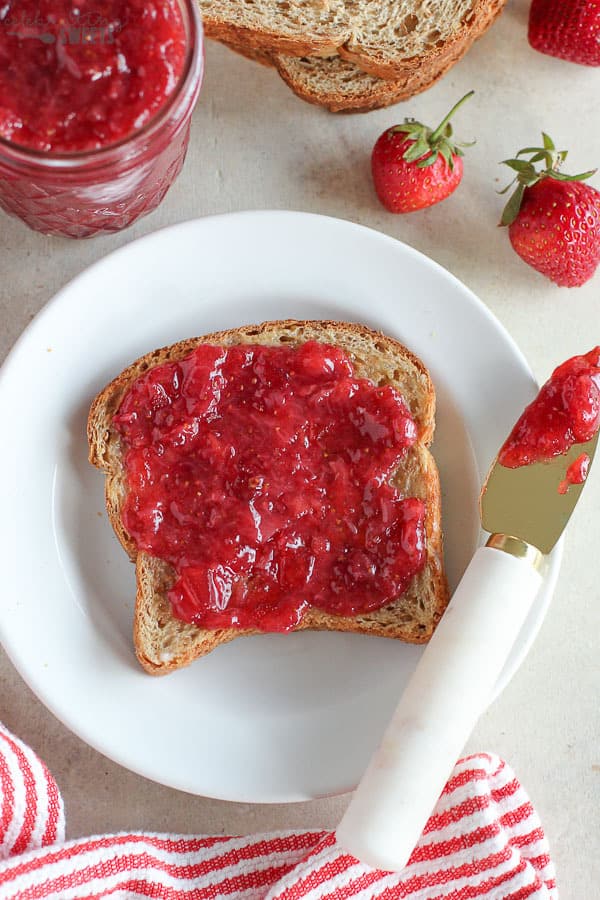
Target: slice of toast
(339, 85)
(163, 642)
(387, 39)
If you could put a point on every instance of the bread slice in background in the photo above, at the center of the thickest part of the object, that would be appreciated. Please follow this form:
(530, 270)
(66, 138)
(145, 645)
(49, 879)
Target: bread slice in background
(164, 643)
(340, 86)
(297, 27)
(390, 39)
(336, 84)
(405, 37)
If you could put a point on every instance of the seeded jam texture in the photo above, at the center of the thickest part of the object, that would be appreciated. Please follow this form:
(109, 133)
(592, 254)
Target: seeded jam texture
(565, 412)
(262, 475)
(576, 473)
(79, 75)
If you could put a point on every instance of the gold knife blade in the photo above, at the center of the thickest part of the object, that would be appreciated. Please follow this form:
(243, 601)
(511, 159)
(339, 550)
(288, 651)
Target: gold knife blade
(525, 502)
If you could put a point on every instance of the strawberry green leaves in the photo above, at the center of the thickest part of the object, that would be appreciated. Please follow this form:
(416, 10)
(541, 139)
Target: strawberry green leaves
(427, 144)
(553, 219)
(527, 174)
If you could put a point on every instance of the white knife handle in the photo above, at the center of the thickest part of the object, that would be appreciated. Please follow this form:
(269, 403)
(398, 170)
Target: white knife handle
(438, 710)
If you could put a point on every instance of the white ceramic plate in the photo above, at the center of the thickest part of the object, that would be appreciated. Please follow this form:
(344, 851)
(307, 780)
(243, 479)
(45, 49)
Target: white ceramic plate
(266, 719)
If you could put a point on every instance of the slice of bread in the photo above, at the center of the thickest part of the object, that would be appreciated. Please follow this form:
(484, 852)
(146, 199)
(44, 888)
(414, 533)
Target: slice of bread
(340, 86)
(164, 643)
(387, 39)
(335, 83)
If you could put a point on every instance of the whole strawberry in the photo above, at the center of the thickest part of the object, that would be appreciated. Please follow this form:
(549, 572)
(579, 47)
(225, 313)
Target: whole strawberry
(553, 219)
(569, 29)
(414, 167)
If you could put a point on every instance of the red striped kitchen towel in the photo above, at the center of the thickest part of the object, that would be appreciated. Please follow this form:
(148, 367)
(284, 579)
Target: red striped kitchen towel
(484, 840)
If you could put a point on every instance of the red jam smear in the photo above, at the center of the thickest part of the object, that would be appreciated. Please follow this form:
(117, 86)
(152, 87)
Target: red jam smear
(576, 473)
(261, 474)
(81, 74)
(565, 412)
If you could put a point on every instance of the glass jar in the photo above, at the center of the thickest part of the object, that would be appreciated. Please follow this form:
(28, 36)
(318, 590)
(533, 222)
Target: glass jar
(87, 193)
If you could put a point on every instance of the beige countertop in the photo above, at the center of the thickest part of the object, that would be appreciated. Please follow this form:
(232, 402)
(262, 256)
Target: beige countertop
(254, 145)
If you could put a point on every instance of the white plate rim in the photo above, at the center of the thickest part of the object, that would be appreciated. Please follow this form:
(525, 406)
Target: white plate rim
(57, 300)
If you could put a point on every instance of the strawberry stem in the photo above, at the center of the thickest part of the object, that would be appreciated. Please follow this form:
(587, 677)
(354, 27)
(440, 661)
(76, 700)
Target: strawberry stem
(527, 175)
(424, 146)
(439, 130)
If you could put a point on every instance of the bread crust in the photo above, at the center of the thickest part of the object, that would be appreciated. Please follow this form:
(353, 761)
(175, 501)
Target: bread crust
(375, 93)
(374, 60)
(308, 78)
(164, 643)
(265, 39)
(259, 56)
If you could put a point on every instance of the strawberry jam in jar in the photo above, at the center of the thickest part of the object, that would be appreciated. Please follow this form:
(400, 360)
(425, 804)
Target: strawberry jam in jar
(96, 98)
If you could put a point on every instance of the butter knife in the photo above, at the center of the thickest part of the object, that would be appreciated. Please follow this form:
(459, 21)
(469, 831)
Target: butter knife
(455, 677)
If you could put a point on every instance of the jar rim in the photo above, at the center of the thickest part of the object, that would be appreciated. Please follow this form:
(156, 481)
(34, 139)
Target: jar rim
(12, 152)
